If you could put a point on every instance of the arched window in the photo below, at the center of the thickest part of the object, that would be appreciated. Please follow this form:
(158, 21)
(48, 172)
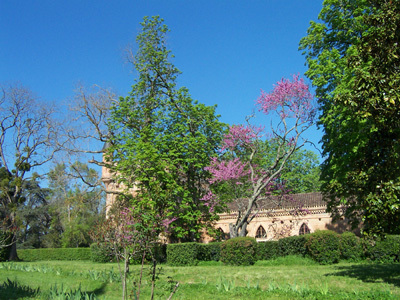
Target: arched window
(304, 229)
(261, 233)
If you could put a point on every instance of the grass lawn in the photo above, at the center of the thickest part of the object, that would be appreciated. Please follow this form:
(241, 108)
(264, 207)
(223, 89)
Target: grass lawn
(284, 278)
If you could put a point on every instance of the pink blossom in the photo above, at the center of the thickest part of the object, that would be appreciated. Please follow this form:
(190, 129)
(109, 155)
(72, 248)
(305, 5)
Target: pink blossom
(227, 170)
(241, 136)
(290, 99)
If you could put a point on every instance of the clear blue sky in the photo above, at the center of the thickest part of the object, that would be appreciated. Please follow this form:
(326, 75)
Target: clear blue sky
(228, 50)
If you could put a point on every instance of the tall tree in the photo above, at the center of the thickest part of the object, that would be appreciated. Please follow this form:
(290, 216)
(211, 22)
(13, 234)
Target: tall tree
(353, 61)
(28, 139)
(163, 139)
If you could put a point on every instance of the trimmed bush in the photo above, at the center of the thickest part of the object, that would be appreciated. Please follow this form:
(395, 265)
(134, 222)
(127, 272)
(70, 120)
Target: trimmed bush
(350, 246)
(239, 251)
(293, 245)
(183, 254)
(55, 254)
(209, 252)
(101, 253)
(324, 246)
(267, 250)
(384, 250)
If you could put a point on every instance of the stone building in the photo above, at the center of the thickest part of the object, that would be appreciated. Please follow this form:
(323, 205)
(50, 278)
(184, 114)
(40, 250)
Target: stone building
(296, 215)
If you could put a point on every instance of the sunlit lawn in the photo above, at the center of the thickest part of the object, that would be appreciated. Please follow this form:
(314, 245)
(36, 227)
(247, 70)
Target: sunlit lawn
(286, 278)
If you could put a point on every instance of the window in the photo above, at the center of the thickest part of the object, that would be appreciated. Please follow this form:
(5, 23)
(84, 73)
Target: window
(304, 229)
(261, 233)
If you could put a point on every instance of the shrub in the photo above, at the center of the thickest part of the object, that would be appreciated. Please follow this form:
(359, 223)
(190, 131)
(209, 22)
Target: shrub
(385, 250)
(350, 246)
(293, 245)
(183, 254)
(101, 253)
(267, 250)
(239, 251)
(324, 246)
(55, 254)
(209, 252)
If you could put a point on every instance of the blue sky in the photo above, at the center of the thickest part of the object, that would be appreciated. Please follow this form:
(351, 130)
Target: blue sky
(227, 50)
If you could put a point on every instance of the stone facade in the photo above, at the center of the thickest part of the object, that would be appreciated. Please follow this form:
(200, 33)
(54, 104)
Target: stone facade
(301, 214)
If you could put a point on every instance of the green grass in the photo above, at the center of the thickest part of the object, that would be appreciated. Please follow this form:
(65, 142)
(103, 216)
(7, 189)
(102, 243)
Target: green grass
(282, 278)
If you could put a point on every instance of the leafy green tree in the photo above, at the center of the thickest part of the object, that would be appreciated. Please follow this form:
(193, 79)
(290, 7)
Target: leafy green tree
(163, 139)
(33, 216)
(353, 61)
(301, 171)
(75, 206)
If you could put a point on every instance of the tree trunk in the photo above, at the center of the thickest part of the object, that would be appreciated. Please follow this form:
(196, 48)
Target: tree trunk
(237, 231)
(13, 256)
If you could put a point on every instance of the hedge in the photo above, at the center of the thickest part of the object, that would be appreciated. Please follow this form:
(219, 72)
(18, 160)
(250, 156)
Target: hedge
(293, 245)
(267, 250)
(183, 254)
(324, 246)
(385, 250)
(209, 252)
(350, 247)
(55, 254)
(239, 251)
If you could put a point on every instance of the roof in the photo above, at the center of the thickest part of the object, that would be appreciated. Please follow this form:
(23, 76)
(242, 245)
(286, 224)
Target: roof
(294, 201)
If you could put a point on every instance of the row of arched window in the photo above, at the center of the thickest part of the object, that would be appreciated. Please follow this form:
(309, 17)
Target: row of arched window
(261, 233)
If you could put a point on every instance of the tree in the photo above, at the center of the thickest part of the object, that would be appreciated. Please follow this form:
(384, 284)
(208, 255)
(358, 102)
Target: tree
(28, 139)
(33, 216)
(252, 177)
(353, 61)
(75, 205)
(301, 172)
(162, 139)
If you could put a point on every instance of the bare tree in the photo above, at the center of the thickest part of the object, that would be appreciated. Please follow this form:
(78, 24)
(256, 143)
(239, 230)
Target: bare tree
(29, 138)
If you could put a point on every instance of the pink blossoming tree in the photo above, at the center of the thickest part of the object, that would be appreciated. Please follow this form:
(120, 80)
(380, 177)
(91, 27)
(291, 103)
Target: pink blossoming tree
(240, 170)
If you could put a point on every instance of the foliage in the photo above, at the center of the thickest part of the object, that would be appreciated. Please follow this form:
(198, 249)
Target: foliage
(209, 252)
(55, 254)
(353, 61)
(163, 139)
(384, 250)
(324, 246)
(267, 250)
(293, 245)
(11, 289)
(350, 247)
(239, 251)
(75, 204)
(101, 253)
(183, 254)
(241, 171)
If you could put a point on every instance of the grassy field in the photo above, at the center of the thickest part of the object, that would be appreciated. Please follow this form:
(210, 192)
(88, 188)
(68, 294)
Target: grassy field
(284, 278)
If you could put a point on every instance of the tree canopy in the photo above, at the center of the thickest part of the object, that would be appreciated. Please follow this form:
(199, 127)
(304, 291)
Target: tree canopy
(163, 139)
(353, 60)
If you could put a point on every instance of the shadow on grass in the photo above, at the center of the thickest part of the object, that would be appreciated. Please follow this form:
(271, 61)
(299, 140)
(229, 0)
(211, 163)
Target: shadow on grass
(13, 290)
(99, 291)
(388, 273)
